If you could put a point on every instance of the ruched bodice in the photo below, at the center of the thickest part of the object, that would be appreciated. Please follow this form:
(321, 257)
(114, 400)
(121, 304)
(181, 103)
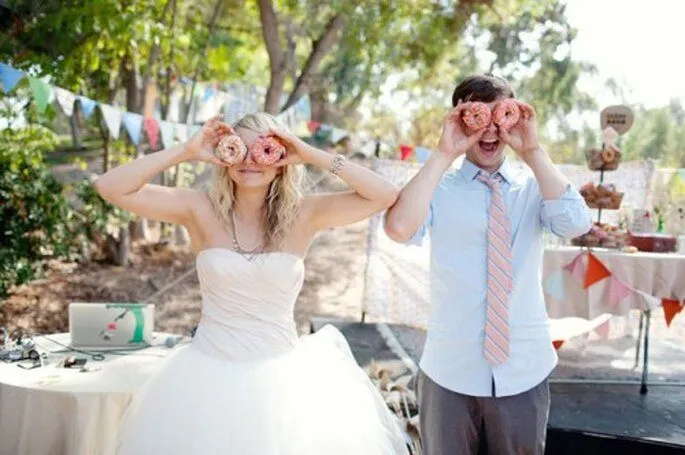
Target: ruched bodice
(247, 307)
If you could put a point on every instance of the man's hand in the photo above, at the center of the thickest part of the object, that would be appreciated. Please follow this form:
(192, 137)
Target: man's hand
(523, 137)
(455, 139)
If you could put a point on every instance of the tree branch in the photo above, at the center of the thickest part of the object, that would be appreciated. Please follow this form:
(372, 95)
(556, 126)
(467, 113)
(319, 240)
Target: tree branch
(319, 50)
(270, 33)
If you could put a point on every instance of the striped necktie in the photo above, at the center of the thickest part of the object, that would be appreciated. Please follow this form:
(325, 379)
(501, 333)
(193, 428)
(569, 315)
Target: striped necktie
(500, 271)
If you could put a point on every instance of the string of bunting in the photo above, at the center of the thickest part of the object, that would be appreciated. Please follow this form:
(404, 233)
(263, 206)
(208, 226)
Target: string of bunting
(233, 105)
(587, 270)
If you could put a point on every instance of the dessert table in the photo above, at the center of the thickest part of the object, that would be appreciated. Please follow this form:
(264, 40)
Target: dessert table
(71, 411)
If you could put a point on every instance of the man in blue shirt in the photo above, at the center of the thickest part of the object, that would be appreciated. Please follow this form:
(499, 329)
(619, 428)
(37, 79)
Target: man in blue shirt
(488, 350)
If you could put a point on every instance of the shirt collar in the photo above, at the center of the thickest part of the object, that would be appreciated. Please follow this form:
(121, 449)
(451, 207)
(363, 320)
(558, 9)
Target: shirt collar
(470, 170)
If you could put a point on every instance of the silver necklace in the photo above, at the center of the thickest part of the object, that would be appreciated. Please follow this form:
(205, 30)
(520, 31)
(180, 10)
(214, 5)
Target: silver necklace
(250, 255)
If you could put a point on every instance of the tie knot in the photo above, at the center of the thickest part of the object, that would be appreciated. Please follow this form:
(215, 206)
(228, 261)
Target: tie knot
(493, 181)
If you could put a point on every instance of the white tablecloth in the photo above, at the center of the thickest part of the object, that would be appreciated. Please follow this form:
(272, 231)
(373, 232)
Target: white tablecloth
(59, 411)
(660, 275)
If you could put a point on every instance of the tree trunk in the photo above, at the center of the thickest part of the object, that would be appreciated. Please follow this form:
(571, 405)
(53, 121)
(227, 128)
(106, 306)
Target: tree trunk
(75, 132)
(277, 58)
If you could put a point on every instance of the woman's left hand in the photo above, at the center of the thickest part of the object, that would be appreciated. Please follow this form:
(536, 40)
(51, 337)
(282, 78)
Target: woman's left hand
(523, 137)
(298, 152)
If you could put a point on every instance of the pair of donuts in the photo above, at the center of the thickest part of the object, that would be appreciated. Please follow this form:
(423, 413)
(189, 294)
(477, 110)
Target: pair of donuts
(265, 151)
(505, 115)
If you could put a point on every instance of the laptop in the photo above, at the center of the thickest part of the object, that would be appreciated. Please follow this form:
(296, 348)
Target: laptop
(113, 326)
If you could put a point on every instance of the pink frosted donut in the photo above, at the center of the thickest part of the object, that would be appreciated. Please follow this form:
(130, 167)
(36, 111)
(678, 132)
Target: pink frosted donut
(477, 116)
(231, 149)
(506, 114)
(267, 150)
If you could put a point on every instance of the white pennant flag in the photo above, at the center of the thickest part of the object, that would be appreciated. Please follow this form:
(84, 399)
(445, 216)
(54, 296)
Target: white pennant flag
(66, 100)
(167, 130)
(181, 132)
(112, 117)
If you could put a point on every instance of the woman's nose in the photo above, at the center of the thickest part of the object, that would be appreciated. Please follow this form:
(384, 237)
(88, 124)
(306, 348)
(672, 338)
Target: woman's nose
(492, 128)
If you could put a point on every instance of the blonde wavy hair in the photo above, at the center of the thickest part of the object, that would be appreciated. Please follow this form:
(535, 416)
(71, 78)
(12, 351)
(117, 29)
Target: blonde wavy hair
(284, 194)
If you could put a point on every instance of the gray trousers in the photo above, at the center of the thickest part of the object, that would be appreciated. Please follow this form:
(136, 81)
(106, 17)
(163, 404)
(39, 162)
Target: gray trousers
(456, 424)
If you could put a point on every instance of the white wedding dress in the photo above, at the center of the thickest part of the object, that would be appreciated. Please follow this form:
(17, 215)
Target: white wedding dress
(247, 385)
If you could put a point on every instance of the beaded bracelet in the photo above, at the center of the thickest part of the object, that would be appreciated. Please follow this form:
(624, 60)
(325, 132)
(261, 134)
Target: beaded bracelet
(337, 165)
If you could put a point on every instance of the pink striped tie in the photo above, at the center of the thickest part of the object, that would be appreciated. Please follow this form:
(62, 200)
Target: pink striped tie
(500, 275)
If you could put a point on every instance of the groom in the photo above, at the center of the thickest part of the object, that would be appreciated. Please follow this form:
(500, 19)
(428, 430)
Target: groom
(488, 351)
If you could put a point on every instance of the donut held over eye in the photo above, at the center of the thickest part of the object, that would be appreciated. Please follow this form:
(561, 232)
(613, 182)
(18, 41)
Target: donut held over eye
(267, 151)
(231, 149)
(476, 116)
(506, 114)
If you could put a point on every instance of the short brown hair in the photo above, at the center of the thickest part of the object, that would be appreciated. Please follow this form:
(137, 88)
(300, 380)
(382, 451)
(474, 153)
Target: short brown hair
(482, 87)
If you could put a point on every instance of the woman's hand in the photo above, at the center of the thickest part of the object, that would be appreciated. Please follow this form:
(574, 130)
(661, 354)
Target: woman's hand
(297, 151)
(454, 140)
(201, 146)
(523, 137)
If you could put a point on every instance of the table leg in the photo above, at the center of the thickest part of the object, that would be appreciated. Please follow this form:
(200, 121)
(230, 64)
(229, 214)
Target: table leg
(638, 345)
(645, 363)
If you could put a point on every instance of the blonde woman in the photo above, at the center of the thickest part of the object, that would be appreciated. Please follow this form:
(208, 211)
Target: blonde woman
(247, 385)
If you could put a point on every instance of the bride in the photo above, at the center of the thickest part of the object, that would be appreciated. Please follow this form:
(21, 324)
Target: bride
(247, 385)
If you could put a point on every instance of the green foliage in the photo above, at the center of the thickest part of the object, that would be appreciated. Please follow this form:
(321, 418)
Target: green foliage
(98, 216)
(34, 216)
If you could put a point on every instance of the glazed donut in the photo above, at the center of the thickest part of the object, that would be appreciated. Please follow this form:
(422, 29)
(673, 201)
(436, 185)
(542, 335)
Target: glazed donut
(506, 114)
(477, 116)
(231, 149)
(267, 150)
(608, 155)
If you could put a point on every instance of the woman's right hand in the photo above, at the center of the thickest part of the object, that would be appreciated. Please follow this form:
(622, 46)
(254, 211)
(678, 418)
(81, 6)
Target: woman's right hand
(455, 140)
(201, 146)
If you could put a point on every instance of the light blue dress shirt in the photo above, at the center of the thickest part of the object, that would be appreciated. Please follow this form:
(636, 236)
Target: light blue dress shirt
(458, 220)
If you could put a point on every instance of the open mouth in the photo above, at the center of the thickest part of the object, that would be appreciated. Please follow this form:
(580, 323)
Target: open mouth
(489, 146)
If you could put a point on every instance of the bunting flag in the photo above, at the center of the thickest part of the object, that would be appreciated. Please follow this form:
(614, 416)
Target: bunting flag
(554, 285)
(671, 308)
(133, 123)
(651, 302)
(87, 106)
(406, 151)
(596, 271)
(617, 291)
(9, 77)
(602, 330)
(575, 267)
(167, 130)
(66, 100)
(338, 134)
(152, 130)
(557, 344)
(112, 118)
(181, 132)
(313, 126)
(41, 92)
(193, 129)
(301, 129)
(303, 107)
(422, 154)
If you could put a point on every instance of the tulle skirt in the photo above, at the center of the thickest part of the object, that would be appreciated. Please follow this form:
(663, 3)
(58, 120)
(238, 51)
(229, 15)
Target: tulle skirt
(312, 400)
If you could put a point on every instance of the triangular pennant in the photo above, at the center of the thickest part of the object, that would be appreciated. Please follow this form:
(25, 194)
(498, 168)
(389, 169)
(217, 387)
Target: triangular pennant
(301, 129)
(112, 118)
(671, 308)
(602, 330)
(9, 77)
(651, 302)
(557, 344)
(133, 123)
(554, 285)
(66, 100)
(313, 126)
(422, 154)
(152, 130)
(338, 134)
(617, 291)
(41, 92)
(87, 105)
(167, 130)
(406, 151)
(181, 132)
(575, 267)
(596, 271)
(303, 107)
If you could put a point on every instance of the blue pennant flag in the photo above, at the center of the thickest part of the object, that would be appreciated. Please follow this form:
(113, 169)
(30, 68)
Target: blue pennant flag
(87, 105)
(133, 123)
(9, 77)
